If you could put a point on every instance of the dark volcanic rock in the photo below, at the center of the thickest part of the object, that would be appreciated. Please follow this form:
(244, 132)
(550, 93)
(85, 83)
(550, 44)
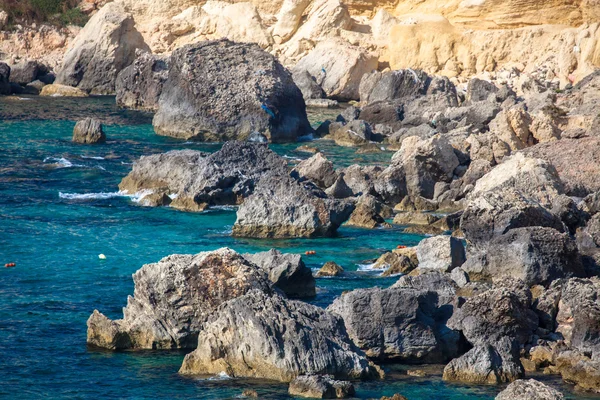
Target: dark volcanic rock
(4, 79)
(269, 337)
(140, 85)
(220, 90)
(88, 131)
(172, 299)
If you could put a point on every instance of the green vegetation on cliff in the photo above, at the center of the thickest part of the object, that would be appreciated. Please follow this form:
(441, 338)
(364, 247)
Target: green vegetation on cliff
(56, 12)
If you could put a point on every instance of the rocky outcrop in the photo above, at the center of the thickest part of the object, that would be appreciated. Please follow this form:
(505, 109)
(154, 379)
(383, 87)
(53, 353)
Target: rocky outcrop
(529, 390)
(4, 79)
(173, 298)
(318, 169)
(225, 177)
(281, 207)
(369, 213)
(330, 269)
(26, 72)
(402, 324)
(101, 50)
(320, 387)
(140, 85)
(220, 90)
(269, 337)
(56, 90)
(440, 253)
(88, 131)
(287, 271)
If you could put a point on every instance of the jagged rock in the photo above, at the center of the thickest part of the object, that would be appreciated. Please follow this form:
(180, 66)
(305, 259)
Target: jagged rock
(369, 213)
(339, 189)
(534, 178)
(140, 85)
(308, 86)
(225, 177)
(576, 162)
(172, 299)
(354, 133)
(536, 255)
(486, 364)
(395, 263)
(318, 169)
(322, 103)
(360, 179)
(460, 277)
(402, 324)
(440, 282)
(415, 218)
(388, 113)
(287, 271)
(269, 337)
(479, 90)
(330, 269)
(88, 131)
(4, 79)
(104, 47)
(337, 67)
(301, 210)
(564, 207)
(56, 90)
(320, 387)
(396, 396)
(440, 253)
(577, 368)
(220, 90)
(393, 85)
(529, 390)
(26, 72)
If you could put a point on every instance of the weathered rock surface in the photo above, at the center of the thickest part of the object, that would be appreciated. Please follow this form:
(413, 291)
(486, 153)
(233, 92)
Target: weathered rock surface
(529, 390)
(26, 72)
(402, 324)
(320, 387)
(140, 85)
(318, 169)
(441, 253)
(4, 79)
(172, 299)
(221, 90)
(103, 48)
(88, 131)
(330, 268)
(269, 337)
(225, 177)
(56, 90)
(287, 271)
(281, 207)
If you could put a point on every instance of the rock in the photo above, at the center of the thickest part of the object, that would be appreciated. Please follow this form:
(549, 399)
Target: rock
(369, 213)
(393, 85)
(440, 253)
(140, 85)
(495, 213)
(103, 48)
(156, 199)
(257, 336)
(330, 269)
(415, 218)
(495, 315)
(26, 72)
(287, 271)
(339, 189)
(405, 325)
(320, 387)
(564, 207)
(302, 210)
(250, 393)
(396, 396)
(440, 282)
(318, 169)
(361, 179)
(529, 390)
(395, 263)
(479, 90)
(386, 113)
(172, 299)
(225, 177)
(536, 255)
(534, 178)
(486, 364)
(220, 90)
(56, 90)
(337, 67)
(308, 86)
(575, 161)
(4, 79)
(322, 103)
(289, 18)
(354, 133)
(34, 88)
(574, 367)
(460, 277)
(88, 131)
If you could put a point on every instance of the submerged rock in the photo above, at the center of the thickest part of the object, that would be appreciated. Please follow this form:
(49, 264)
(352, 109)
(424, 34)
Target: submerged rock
(320, 387)
(529, 390)
(220, 90)
(269, 337)
(173, 298)
(287, 271)
(88, 131)
(281, 207)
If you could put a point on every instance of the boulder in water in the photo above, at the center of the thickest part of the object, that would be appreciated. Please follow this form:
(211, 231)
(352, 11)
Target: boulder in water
(320, 387)
(88, 131)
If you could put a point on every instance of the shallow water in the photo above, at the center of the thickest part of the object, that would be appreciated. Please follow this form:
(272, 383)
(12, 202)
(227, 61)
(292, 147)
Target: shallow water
(59, 209)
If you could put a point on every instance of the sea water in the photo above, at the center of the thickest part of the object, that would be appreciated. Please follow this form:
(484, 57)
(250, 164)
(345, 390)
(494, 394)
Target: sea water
(60, 208)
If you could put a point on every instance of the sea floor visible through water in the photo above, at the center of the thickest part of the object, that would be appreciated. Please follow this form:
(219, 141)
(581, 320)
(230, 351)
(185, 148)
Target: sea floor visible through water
(60, 208)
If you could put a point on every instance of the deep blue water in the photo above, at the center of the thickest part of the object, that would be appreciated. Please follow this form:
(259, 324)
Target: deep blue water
(59, 210)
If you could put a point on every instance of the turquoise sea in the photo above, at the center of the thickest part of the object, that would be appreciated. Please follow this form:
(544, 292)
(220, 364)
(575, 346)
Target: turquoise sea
(59, 209)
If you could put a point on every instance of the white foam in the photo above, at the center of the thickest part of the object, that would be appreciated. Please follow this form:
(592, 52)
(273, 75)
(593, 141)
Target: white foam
(104, 195)
(61, 162)
(221, 376)
(369, 267)
(93, 158)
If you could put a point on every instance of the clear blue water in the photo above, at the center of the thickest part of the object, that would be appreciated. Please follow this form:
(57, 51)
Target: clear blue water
(59, 280)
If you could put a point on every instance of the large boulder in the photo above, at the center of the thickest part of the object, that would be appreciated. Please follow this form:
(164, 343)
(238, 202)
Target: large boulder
(26, 72)
(320, 387)
(104, 47)
(139, 86)
(577, 162)
(440, 253)
(57, 90)
(393, 85)
(402, 324)
(4, 79)
(318, 169)
(88, 131)
(269, 337)
(287, 271)
(220, 90)
(529, 390)
(225, 177)
(338, 67)
(281, 207)
(173, 298)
